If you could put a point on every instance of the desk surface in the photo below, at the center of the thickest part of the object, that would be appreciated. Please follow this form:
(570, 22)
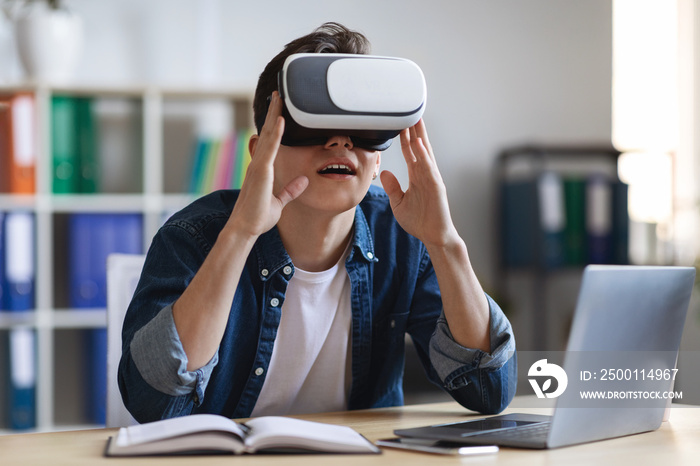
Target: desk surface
(677, 442)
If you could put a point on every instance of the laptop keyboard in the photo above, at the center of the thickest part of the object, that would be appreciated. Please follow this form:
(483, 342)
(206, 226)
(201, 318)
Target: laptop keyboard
(538, 431)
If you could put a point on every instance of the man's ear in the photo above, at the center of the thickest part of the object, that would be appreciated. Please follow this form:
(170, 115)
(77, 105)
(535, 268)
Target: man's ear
(252, 144)
(379, 163)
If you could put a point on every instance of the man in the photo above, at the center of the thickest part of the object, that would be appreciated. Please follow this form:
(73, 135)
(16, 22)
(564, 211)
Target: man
(294, 294)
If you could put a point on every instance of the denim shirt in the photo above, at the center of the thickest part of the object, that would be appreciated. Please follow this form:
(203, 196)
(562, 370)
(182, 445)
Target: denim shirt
(394, 291)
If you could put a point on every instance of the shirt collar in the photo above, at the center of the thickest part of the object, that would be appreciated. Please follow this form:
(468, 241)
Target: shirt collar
(362, 239)
(272, 256)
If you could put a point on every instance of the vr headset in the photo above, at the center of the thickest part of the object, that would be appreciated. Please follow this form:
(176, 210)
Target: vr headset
(368, 98)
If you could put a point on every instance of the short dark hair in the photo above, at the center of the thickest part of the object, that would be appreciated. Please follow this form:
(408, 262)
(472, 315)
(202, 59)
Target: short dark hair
(328, 38)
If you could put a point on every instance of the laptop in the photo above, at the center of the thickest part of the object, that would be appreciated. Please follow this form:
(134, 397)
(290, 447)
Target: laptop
(623, 343)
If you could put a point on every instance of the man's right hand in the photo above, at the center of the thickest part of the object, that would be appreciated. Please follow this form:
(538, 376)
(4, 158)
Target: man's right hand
(201, 312)
(258, 208)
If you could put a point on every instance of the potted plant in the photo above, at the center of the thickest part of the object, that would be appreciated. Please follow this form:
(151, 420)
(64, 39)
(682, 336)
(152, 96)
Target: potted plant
(48, 38)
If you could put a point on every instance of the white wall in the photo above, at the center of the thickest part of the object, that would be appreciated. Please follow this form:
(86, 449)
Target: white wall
(499, 72)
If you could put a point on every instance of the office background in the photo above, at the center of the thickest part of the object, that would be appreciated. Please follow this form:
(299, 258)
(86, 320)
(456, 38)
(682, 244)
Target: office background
(499, 73)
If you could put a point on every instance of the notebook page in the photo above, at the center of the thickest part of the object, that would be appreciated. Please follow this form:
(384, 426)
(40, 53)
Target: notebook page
(175, 427)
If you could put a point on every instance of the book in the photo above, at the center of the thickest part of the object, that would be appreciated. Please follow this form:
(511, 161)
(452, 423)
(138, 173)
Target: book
(211, 167)
(212, 433)
(201, 151)
(219, 163)
(21, 394)
(18, 144)
(225, 163)
(242, 157)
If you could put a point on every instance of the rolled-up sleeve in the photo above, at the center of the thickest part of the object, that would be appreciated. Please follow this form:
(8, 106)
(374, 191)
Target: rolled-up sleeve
(161, 360)
(449, 357)
(482, 381)
(153, 377)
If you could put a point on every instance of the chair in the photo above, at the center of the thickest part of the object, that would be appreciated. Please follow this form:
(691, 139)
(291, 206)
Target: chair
(123, 272)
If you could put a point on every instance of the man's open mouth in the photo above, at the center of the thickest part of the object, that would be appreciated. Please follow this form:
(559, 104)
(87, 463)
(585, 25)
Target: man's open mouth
(336, 169)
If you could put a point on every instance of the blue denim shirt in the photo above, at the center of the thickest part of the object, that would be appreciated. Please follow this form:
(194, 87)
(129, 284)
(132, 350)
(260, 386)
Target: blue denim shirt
(394, 292)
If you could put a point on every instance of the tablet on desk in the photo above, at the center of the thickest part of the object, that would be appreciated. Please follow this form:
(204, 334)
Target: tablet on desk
(439, 447)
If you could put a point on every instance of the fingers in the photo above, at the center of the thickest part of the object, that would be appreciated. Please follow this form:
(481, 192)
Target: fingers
(274, 109)
(392, 187)
(272, 130)
(293, 190)
(422, 133)
(415, 145)
(406, 149)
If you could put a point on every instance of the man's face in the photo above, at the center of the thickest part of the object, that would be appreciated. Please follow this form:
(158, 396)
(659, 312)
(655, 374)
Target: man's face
(339, 173)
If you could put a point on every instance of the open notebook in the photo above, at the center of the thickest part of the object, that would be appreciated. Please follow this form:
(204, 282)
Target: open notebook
(211, 433)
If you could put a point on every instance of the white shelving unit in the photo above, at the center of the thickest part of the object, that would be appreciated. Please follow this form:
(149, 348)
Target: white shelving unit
(148, 191)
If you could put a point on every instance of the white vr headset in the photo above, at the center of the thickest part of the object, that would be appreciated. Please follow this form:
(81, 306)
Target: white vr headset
(367, 97)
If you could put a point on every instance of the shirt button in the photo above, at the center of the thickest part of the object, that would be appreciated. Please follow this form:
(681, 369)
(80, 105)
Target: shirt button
(392, 324)
(287, 270)
(274, 302)
(370, 255)
(259, 371)
(264, 272)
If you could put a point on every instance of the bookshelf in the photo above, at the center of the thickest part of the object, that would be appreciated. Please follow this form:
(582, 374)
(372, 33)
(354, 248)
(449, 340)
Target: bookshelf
(559, 209)
(145, 157)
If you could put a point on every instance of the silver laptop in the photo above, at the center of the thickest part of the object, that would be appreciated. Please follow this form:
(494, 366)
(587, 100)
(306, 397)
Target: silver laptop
(623, 346)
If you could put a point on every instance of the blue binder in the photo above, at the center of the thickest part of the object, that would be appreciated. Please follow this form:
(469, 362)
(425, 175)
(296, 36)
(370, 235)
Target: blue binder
(92, 238)
(19, 269)
(621, 224)
(21, 386)
(519, 222)
(3, 285)
(95, 344)
(599, 220)
(552, 220)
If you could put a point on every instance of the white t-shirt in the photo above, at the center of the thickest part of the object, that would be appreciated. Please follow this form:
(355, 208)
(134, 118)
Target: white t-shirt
(310, 366)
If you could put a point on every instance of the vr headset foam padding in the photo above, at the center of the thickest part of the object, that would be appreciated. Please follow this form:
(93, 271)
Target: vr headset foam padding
(369, 98)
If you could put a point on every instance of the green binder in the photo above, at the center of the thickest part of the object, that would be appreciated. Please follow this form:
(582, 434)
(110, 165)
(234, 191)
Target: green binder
(64, 145)
(575, 230)
(86, 128)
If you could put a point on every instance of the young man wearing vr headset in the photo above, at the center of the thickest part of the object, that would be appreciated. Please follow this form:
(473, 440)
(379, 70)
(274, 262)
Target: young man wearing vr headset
(294, 294)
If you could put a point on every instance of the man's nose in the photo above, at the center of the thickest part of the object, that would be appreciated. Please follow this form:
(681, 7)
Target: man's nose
(339, 141)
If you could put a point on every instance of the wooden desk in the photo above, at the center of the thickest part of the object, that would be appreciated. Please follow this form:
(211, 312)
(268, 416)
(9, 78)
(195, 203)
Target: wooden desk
(677, 442)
